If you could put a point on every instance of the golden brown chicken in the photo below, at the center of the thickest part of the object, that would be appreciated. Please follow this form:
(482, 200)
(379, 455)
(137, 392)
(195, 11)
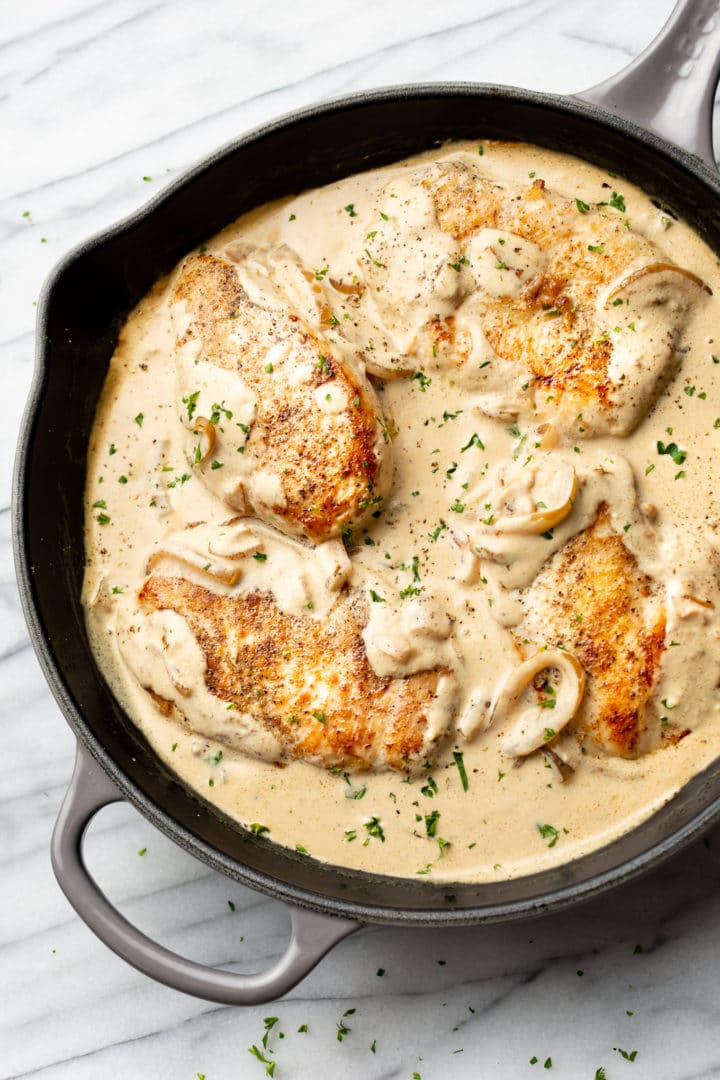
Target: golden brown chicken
(592, 600)
(551, 308)
(282, 425)
(306, 683)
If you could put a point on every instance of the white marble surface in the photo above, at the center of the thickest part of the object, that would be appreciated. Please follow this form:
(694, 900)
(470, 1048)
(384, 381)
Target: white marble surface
(95, 96)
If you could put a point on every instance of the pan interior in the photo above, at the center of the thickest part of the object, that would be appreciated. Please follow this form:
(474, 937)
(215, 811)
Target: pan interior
(79, 321)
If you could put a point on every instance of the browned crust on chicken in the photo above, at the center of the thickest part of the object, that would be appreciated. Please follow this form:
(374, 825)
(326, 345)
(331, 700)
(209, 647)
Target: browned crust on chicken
(333, 467)
(282, 670)
(552, 327)
(594, 601)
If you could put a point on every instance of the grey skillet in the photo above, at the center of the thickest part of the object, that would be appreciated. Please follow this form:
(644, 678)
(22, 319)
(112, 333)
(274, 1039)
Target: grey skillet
(634, 125)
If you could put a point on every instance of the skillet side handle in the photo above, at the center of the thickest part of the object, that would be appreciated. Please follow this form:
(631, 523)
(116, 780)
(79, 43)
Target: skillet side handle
(312, 935)
(670, 86)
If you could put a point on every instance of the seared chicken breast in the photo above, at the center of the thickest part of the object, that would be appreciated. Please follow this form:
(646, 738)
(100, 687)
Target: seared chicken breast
(279, 424)
(549, 307)
(593, 601)
(306, 684)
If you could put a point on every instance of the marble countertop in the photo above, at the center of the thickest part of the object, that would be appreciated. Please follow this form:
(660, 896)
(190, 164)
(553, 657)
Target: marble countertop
(100, 104)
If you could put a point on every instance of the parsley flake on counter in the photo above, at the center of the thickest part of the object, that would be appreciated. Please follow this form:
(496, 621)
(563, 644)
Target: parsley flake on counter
(142, 851)
(303, 1029)
(231, 905)
(600, 1074)
(628, 1055)
(269, 1065)
(342, 1028)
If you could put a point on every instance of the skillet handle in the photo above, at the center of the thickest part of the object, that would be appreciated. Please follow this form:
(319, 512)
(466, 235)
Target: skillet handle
(670, 86)
(312, 934)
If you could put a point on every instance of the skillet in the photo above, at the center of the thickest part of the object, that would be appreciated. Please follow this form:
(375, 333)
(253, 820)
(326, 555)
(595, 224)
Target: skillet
(629, 125)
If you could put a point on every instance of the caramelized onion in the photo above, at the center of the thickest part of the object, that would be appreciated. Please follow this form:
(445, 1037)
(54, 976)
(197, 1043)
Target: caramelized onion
(530, 729)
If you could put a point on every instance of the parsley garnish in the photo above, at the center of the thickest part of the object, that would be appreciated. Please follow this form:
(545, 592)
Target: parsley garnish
(474, 440)
(374, 828)
(458, 757)
(673, 450)
(549, 832)
(191, 402)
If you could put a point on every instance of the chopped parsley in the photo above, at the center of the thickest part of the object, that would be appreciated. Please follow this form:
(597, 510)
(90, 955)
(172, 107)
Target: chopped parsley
(342, 1028)
(191, 402)
(459, 761)
(259, 829)
(673, 450)
(549, 832)
(474, 440)
(375, 829)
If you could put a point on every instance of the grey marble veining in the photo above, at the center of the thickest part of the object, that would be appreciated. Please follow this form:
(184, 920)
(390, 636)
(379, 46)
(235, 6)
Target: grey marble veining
(93, 97)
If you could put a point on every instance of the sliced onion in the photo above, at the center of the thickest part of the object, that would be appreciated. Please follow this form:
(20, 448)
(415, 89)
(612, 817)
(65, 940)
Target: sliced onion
(529, 731)
(655, 268)
(207, 432)
(539, 520)
(220, 569)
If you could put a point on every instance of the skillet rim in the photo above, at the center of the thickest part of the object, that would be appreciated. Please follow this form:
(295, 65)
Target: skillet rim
(263, 882)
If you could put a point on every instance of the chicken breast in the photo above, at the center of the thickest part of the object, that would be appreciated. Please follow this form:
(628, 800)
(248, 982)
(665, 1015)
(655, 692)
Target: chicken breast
(279, 424)
(304, 684)
(593, 601)
(549, 307)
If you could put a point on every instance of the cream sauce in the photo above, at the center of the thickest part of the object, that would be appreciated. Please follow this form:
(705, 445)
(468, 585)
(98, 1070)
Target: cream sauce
(460, 537)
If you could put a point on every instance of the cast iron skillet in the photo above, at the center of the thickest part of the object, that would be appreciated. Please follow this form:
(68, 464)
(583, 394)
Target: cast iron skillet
(670, 90)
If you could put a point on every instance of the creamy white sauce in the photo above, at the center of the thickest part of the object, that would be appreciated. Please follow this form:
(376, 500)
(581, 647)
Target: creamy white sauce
(454, 547)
